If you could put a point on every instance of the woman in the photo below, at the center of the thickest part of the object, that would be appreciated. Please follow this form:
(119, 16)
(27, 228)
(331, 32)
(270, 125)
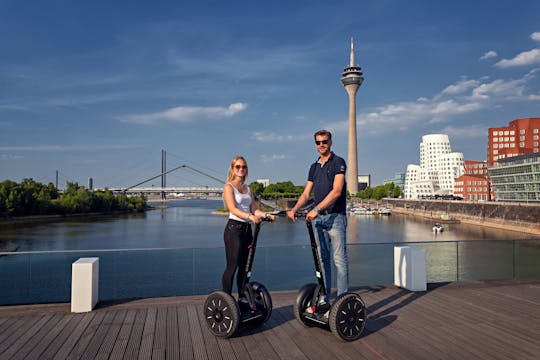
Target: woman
(242, 211)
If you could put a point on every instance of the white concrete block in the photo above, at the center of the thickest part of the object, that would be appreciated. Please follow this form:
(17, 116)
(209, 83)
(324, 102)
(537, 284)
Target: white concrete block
(410, 268)
(84, 284)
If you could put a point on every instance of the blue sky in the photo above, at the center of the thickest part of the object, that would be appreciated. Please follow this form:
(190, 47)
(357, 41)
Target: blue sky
(98, 88)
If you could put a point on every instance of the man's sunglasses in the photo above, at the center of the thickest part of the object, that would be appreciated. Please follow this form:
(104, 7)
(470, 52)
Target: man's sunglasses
(321, 142)
(240, 166)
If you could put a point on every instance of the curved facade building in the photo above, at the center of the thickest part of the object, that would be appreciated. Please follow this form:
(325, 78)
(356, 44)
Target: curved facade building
(439, 167)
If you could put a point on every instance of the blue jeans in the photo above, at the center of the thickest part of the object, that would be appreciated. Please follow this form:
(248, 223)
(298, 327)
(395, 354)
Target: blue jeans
(331, 236)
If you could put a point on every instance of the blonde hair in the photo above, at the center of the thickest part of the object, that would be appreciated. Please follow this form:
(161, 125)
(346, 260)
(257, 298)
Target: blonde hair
(230, 175)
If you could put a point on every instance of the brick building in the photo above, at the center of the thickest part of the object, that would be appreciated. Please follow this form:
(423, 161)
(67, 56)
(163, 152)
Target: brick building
(473, 185)
(521, 136)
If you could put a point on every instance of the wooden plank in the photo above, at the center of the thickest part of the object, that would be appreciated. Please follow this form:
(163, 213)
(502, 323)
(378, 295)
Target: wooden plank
(147, 340)
(19, 343)
(160, 335)
(107, 344)
(213, 349)
(184, 334)
(82, 322)
(57, 343)
(99, 336)
(16, 329)
(122, 340)
(134, 343)
(303, 337)
(86, 337)
(282, 344)
(172, 350)
(49, 337)
(198, 345)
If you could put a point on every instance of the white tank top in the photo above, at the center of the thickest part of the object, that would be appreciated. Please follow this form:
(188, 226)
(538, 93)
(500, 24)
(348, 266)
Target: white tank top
(242, 202)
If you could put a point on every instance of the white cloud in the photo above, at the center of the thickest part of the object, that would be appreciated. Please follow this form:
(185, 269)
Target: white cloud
(503, 89)
(10, 157)
(273, 157)
(186, 114)
(488, 55)
(525, 58)
(460, 86)
(60, 148)
(276, 138)
(535, 36)
(473, 131)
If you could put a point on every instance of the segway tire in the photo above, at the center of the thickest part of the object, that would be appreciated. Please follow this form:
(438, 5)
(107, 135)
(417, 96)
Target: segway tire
(263, 301)
(348, 317)
(222, 314)
(302, 301)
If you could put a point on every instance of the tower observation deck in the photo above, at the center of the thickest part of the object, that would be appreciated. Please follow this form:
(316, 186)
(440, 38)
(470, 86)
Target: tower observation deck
(352, 78)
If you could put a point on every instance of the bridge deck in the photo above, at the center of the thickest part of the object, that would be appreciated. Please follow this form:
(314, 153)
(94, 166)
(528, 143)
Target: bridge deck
(481, 320)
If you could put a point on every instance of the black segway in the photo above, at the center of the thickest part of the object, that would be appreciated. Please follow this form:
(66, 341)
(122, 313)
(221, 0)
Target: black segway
(224, 315)
(347, 316)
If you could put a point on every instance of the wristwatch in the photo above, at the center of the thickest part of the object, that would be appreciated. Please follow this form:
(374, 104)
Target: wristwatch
(316, 209)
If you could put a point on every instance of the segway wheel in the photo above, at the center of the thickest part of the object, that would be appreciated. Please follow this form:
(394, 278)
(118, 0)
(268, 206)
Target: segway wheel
(302, 302)
(263, 301)
(222, 314)
(348, 317)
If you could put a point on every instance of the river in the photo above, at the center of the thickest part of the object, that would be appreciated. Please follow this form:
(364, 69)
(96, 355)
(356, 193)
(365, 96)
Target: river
(191, 224)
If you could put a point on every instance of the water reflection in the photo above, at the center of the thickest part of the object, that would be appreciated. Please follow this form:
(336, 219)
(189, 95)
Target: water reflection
(191, 224)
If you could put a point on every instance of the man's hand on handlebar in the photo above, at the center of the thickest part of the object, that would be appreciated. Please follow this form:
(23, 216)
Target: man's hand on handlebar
(308, 214)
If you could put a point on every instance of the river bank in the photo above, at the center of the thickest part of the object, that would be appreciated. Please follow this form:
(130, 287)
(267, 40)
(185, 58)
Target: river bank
(524, 218)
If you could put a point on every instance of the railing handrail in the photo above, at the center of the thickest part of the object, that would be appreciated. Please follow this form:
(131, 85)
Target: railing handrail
(260, 246)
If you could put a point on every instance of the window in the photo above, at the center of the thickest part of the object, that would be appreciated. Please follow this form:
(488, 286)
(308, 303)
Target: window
(495, 152)
(501, 139)
(495, 133)
(522, 131)
(506, 132)
(521, 144)
(522, 138)
(495, 139)
(535, 131)
(535, 137)
(512, 132)
(512, 145)
(495, 146)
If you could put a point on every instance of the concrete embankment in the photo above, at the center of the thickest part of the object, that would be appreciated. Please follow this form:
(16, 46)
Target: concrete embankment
(509, 216)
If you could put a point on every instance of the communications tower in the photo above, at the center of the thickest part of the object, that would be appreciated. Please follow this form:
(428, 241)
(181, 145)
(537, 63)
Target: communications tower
(352, 78)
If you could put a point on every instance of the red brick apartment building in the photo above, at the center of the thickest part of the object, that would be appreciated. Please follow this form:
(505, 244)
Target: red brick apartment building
(474, 184)
(521, 136)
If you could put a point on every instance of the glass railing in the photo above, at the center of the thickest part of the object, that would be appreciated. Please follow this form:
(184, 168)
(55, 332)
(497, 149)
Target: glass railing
(44, 277)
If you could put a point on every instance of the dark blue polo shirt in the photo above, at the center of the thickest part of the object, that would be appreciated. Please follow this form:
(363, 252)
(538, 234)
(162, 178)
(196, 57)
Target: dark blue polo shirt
(323, 181)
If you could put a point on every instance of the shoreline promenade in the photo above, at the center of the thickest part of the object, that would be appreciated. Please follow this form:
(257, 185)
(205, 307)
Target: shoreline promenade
(460, 320)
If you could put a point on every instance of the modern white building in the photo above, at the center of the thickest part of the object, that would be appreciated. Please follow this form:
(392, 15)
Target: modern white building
(439, 167)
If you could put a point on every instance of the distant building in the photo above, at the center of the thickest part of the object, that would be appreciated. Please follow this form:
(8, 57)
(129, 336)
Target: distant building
(439, 167)
(516, 178)
(264, 182)
(474, 184)
(90, 183)
(521, 136)
(364, 181)
(398, 180)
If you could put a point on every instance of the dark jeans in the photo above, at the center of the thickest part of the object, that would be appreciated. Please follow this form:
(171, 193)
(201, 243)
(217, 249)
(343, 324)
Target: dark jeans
(237, 237)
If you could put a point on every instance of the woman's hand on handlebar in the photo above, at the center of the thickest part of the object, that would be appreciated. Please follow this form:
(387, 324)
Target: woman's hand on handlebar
(291, 215)
(312, 214)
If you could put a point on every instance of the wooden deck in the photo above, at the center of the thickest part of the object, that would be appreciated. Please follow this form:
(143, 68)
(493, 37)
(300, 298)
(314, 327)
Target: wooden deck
(466, 320)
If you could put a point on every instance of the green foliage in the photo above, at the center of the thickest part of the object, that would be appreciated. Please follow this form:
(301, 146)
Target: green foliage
(378, 192)
(282, 189)
(32, 198)
(256, 188)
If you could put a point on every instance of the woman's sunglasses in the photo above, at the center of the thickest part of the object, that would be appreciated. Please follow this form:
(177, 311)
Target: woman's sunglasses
(240, 167)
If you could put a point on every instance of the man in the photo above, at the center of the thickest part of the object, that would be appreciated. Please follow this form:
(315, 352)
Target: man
(327, 180)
